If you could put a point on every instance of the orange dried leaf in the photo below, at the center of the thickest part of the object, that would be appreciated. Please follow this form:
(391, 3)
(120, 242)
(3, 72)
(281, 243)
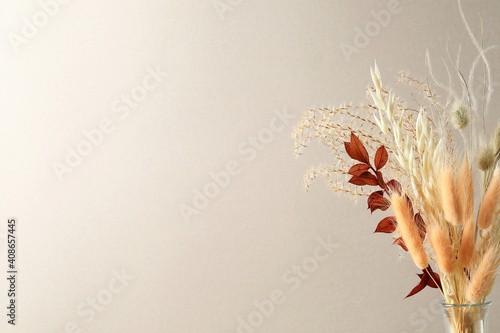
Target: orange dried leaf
(437, 279)
(357, 151)
(358, 169)
(410, 205)
(348, 149)
(376, 201)
(401, 243)
(395, 186)
(355, 180)
(387, 225)
(369, 178)
(421, 285)
(380, 180)
(431, 282)
(421, 225)
(374, 196)
(381, 157)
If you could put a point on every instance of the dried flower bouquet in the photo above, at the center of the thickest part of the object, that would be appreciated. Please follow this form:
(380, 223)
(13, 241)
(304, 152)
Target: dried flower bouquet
(417, 169)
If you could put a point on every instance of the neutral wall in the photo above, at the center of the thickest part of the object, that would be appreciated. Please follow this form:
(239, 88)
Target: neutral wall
(221, 77)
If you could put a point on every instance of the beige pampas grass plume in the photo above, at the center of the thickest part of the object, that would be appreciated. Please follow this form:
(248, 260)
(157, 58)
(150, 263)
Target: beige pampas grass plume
(466, 190)
(489, 206)
(441, 244)
(483, 277)
(450, 200)
(468, 244)
(409, 230)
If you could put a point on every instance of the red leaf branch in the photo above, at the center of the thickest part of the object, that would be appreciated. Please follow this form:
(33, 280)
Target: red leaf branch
(365, 174)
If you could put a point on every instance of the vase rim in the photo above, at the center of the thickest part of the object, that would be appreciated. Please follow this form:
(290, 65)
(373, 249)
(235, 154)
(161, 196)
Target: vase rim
(447, 305)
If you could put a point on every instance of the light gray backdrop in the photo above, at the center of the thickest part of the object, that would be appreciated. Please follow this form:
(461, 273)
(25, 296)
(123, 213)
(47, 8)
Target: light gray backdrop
(117, 116)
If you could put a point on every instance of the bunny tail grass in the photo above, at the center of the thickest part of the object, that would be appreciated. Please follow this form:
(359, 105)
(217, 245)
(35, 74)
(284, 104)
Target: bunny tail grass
(490, 204)
(451, 203)
(468, 245)
(441, 244)
(484, 277)
(409, 230)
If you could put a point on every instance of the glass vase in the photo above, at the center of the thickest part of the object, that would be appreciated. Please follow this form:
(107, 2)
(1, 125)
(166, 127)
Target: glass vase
(465, 318)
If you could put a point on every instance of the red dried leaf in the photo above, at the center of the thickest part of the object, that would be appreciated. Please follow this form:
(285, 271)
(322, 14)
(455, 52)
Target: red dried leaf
(395, 186)
(431, 282)
(438, 280)
(410, 204)
(369, 178)
(357, 151)
(375, 195)
(381, 158)
(421, 285)
(380, 180)
(358, 169)
(421, 225)
(387, 225)
(436, 277)
(376, 201)
(401, 243)
(355, 180)
(348, 149)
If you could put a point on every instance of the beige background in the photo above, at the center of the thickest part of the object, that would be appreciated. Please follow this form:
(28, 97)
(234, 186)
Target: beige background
(225, 77)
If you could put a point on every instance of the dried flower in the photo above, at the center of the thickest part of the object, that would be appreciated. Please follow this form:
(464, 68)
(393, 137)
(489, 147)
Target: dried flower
(409, 230)
(459, 116)
(466, 190)
(486, 158)
(433, 197)
(451, 203)
(376, 77)
(484, 277)
(468, 244)
(488, 210)
(441, 244)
